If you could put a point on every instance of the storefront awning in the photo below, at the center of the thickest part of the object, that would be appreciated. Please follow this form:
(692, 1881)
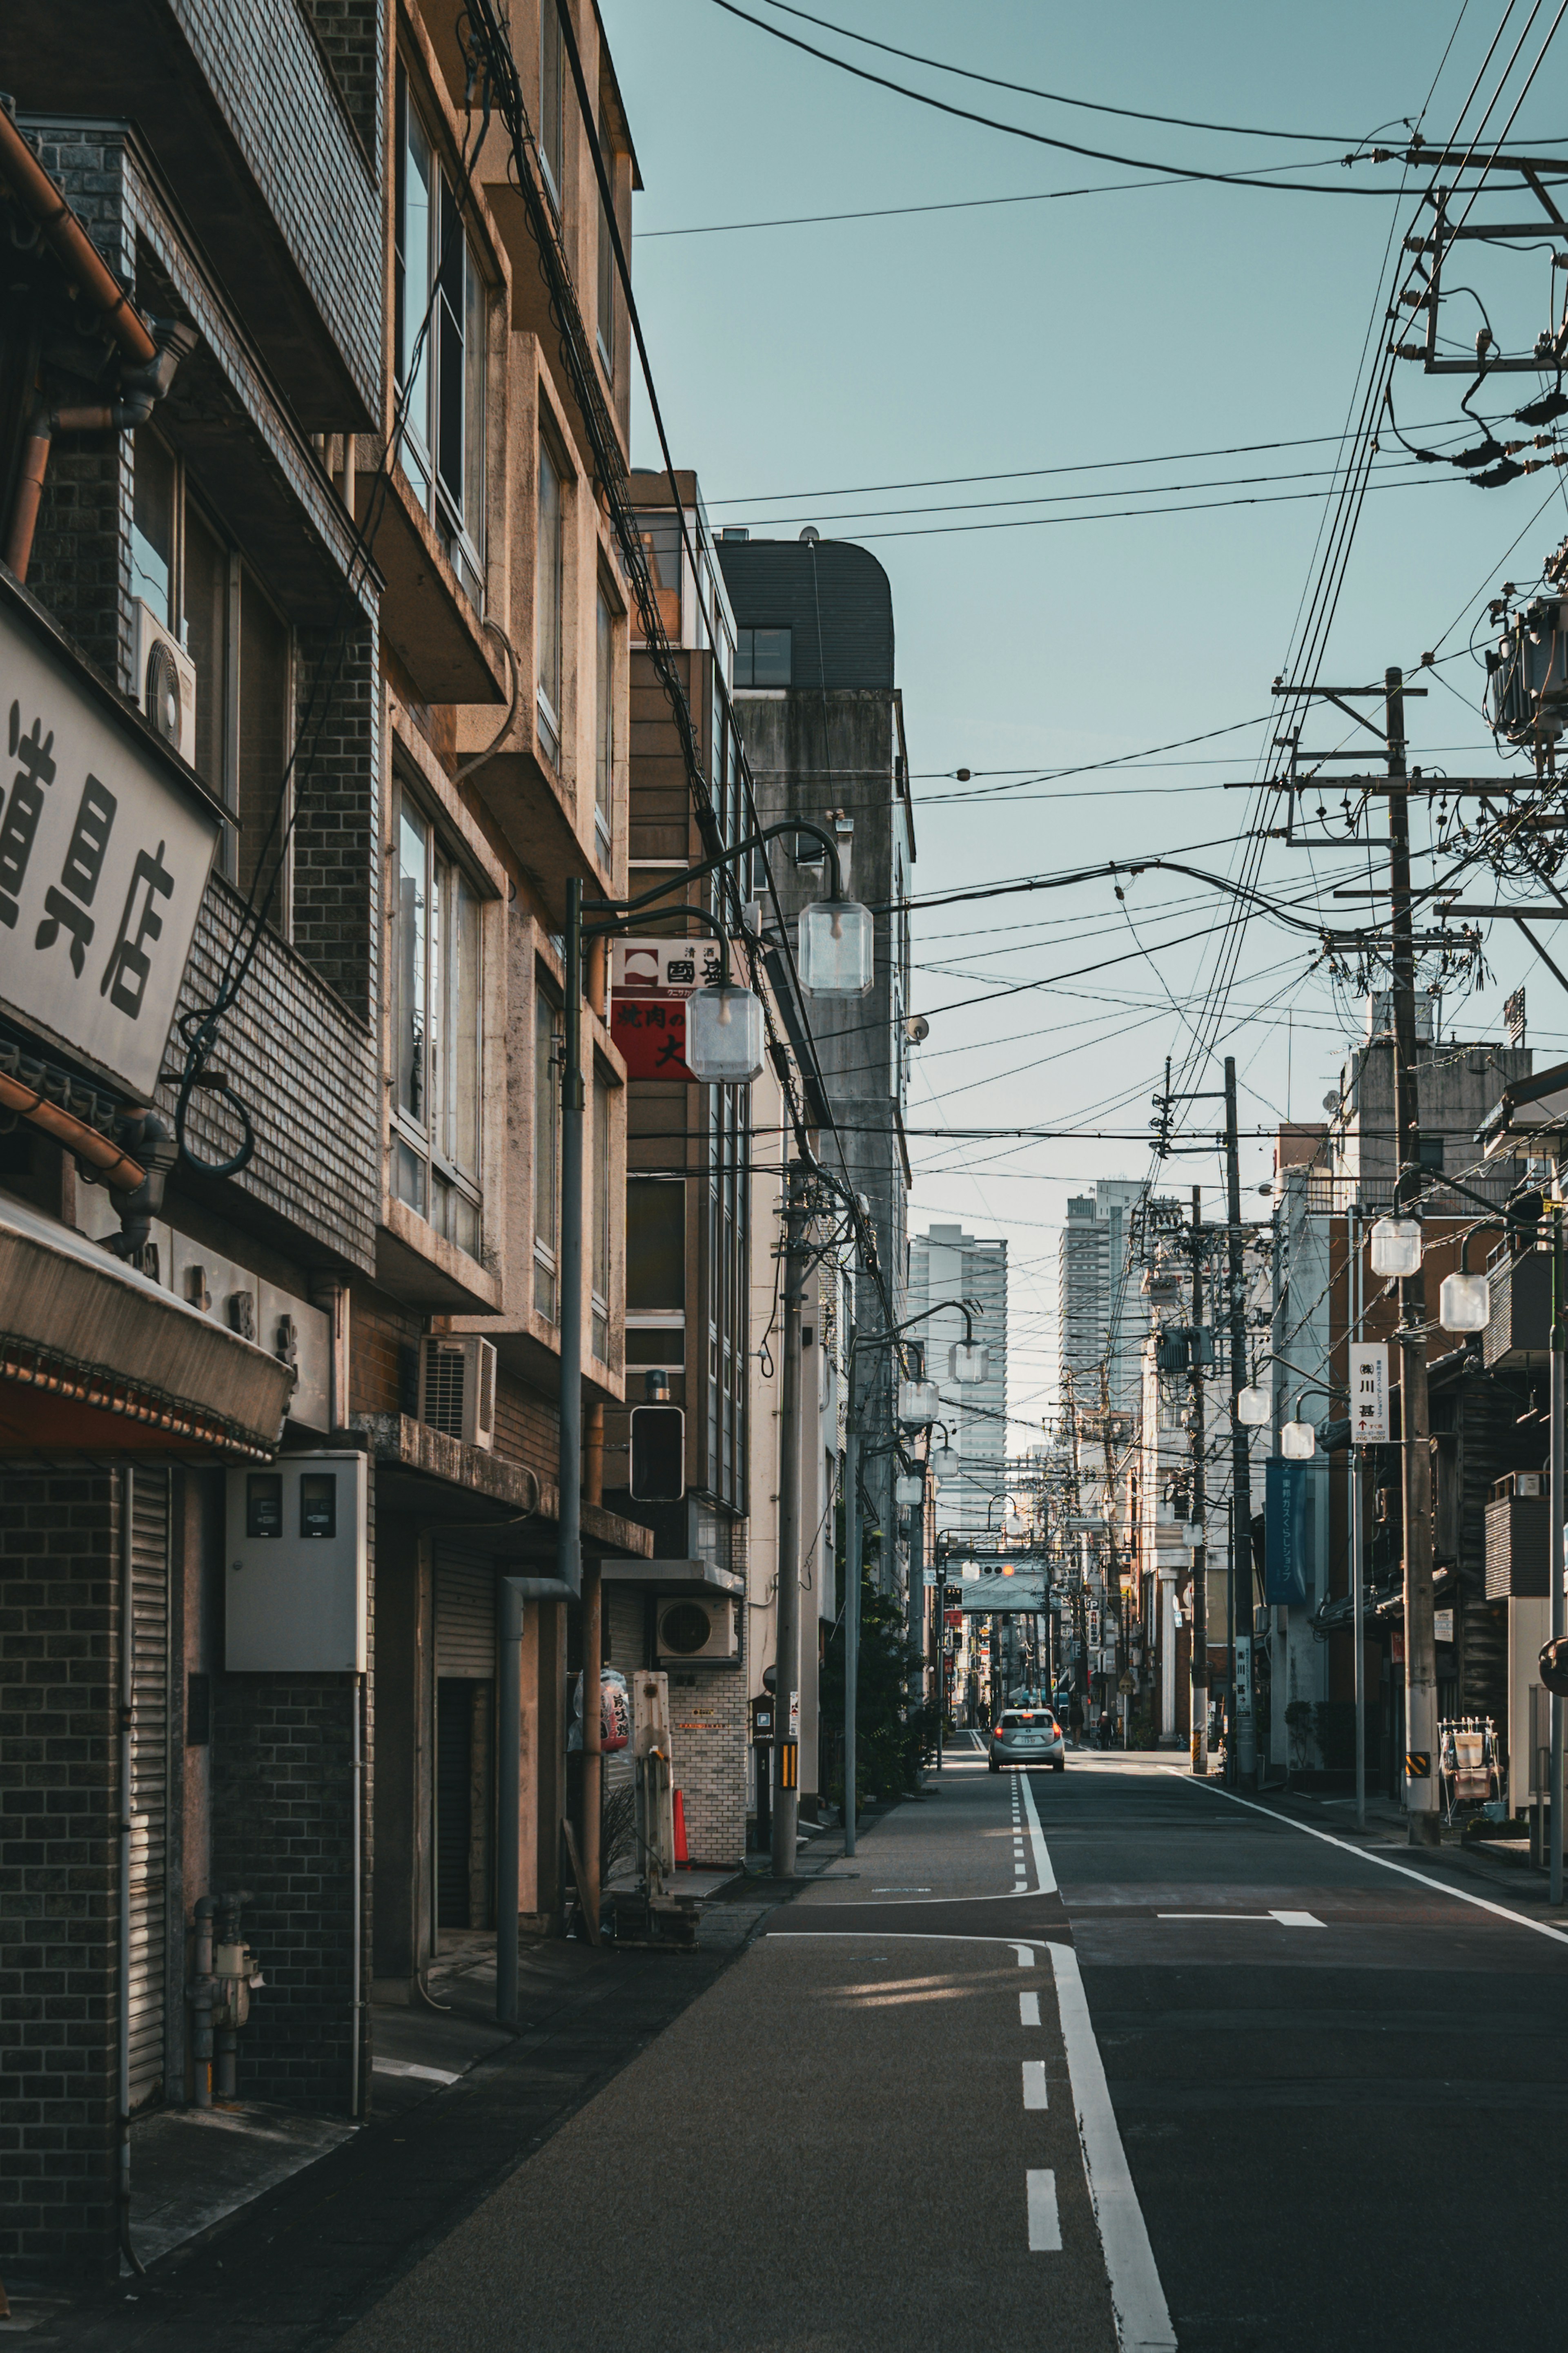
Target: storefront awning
(96, 1357)
(674, 1576)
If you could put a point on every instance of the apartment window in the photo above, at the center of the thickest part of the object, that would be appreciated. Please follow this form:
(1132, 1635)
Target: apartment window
(604, 724)
(439, 334)
(601, 1293)
(607, 274)
(436, 1043)
(195, 584)
(656, 1271)
(762, 656)
(546, 1152)
(551, 100)
(547, 622)
(660, 534)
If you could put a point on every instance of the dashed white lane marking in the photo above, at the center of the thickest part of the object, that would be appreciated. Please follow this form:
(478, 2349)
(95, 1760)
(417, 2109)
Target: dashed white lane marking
(1028, 2010)
(1045, 1877)
(1422, 1878)
(1142, 2315)
(406, 2067)
(1026, 1961)
(1285, 1919)
(1036, 2094)
(1045, 2222)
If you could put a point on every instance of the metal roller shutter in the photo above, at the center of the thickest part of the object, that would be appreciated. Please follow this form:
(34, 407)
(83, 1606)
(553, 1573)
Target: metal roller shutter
(149, 1778)
(465, 1705)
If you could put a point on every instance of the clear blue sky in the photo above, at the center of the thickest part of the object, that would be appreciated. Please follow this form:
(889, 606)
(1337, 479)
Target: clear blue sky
(798, 365)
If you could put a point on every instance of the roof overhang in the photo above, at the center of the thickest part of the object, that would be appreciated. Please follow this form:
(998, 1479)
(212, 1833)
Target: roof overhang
(674, 1576)
(96, 1357)
(1536, 1106)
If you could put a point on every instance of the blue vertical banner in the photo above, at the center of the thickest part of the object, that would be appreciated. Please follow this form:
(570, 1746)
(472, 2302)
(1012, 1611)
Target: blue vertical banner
(1285, 1562)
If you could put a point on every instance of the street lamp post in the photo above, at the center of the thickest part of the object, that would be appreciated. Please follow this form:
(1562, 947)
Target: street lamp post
(916, 1404)
(725, 1046)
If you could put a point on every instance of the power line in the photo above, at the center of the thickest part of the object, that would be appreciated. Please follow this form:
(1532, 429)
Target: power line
(1027, 473)
(1042, 139)
(1122, 514)
(1091, 106)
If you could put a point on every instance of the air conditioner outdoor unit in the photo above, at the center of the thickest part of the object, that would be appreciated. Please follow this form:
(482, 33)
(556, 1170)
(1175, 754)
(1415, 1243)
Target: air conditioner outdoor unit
(165, 683)
(458, 1389)
(690, 1628)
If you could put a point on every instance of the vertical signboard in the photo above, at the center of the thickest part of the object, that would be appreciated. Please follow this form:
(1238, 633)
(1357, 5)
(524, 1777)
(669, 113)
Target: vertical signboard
(104, 854)
(1285, 1534)
(1369, 1392)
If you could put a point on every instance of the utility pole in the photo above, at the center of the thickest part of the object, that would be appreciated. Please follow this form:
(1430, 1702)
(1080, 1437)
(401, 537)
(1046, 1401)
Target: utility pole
(1245, 1742)
(851, 1600)
(1420, 1641)
(1554, 1548)
(1197, 1602)
(787, 1645)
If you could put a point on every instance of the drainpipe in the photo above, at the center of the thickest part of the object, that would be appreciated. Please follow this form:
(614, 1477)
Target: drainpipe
(127, 1718)
(144, 385)
(65, 234)
(355, 2096)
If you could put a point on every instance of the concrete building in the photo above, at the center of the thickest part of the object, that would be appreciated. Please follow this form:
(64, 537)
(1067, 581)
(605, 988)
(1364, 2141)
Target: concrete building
(945, 1263)
(1104, 1314)
(822, 717)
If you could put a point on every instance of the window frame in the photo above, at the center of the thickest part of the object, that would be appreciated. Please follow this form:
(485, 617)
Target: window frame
(602, 1254)
(549, 1042)
(454, 290)
(552, 103)
(240, 579)
(746, 654)
(426, 1134)
(549, 568)
(606, 748)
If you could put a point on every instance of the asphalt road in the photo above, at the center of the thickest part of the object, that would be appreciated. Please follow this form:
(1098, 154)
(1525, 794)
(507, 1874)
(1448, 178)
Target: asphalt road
(1094, 2061)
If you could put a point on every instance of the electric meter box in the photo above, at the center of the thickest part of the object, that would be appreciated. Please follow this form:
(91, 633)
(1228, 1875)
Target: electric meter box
(294, 1590)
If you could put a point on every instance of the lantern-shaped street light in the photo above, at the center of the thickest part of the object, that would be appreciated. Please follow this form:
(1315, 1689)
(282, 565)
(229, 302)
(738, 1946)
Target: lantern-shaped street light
(1464, 1303)
(1298, 1441)
(1397, 1246)
(837, 953)
(968, 1361)
(724, 1036)
(909, 1488)
(1253, 1408)
(919, 1403)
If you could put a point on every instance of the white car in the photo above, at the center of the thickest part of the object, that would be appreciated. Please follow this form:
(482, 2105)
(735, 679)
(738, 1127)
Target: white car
(1027, 1735)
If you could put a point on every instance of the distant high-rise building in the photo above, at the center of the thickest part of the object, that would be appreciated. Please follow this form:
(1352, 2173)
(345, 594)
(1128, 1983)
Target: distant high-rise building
(1103, 1313)
(947, 1263)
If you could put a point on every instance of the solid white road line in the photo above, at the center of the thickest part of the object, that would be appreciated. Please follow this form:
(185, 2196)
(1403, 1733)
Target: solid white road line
(1422, 1878)
(1036, 2094)
(1142, 2316)
(406, 2067)
(1045, 1876)
(1045, 2222)
(1028, 2010)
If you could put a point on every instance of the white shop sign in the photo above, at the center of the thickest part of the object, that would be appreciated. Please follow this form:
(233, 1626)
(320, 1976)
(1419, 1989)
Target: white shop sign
(103, 862)
(1369, 1392)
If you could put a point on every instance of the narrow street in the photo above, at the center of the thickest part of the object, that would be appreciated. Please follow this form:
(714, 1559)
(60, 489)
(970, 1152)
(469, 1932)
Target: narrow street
(864, 2132)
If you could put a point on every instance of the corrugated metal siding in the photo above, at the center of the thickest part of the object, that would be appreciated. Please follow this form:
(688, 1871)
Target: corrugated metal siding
(464, 1614)
(149, 1778)
(774, 583)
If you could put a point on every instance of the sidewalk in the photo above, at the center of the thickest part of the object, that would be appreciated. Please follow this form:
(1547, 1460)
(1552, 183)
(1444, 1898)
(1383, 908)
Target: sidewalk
(298, 2223)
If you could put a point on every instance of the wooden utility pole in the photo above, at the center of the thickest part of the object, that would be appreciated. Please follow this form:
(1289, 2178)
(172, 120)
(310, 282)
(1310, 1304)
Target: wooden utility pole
(1416, 1449)
(1197, 1592)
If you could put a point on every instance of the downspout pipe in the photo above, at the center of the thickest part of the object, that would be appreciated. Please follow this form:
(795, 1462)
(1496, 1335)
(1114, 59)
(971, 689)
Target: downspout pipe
(127, 1722)
(144, 385)
(66, 237)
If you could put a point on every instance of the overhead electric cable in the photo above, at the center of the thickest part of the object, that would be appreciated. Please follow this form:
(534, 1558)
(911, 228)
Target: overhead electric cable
(1042, 139)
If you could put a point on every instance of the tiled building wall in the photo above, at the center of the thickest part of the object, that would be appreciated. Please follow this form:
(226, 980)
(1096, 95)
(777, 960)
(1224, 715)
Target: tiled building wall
(58, 1867)
(306, 1070)
(710, 1724)
(348, 33)
(274, 87)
